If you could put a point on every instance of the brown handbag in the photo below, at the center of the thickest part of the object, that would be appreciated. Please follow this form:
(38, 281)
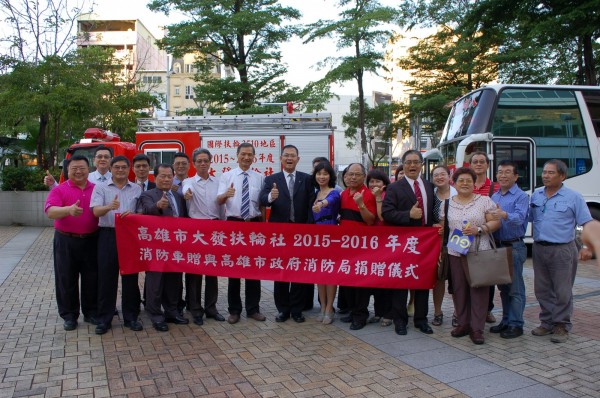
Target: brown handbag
(488, 267)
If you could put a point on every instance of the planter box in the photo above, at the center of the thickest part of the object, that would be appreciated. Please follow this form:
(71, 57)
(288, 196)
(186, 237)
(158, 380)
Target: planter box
(24, 208)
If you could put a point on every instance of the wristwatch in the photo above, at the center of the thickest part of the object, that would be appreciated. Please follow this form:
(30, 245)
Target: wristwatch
(478, 230)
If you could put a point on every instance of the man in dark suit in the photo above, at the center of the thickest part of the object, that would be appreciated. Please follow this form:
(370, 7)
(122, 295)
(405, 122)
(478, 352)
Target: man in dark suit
(163, 288)
(141, 169)
(290, 195)
(409, 202)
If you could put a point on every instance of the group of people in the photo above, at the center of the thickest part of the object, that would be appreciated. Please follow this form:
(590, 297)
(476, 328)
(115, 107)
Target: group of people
(85, 205)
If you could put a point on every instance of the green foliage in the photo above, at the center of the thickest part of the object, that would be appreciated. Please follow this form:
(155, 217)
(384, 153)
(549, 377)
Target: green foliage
(23, 179)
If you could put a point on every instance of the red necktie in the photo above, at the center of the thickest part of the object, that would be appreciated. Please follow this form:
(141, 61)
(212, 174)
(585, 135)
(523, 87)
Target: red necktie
(419, 196)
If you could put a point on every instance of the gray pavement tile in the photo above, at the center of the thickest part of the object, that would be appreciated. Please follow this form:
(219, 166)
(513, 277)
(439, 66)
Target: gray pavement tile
(492, 384)
(437, 356)
(534, 391)
(460, 370)
(410, 346)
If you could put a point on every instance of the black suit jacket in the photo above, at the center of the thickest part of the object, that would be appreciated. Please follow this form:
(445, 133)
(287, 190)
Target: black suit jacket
(148, 199)
(151, 185)
(400, 198)
(280, 208)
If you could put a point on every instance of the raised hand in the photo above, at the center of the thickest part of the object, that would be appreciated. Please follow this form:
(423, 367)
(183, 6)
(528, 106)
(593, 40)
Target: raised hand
(416, 212)
(75, 210)
(274, 192)
(188, 194)
(163, 203)
(48, 179)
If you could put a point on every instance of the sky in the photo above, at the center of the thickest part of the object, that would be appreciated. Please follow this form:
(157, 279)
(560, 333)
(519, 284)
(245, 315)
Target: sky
(301, 59)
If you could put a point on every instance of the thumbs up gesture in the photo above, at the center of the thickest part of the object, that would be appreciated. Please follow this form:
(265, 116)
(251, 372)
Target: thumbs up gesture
(416, 212)
(75, 210)
(163, 203)
(230, 191)
(48, 179)
(188, 194)
(497, 213)
(114, 205)
(274, 192)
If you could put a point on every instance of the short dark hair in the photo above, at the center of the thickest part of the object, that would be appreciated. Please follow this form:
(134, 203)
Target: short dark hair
(78, 157)
(507, 162)
(140, 157)
(378, 175)
(103, 148)
(481, 153)
(464, 170)
(320, 159)
(181, 155)
(412, 152)
(290, 146)
(440, 166)
(327, 167)
(561, 166)
(245, 145)
(163, 166)
(120, 158)
(199, 151)
(398, 170)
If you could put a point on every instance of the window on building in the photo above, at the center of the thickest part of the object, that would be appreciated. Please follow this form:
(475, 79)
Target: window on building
(189, 92)
(177, 91)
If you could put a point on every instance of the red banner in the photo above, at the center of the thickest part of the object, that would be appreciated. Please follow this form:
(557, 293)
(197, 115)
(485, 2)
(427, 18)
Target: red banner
(393, 257)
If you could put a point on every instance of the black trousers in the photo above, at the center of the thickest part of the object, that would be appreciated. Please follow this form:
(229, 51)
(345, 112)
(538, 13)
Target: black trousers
(108, 281)
(252, 299)
(76, 258)
(399, 301)
(290, 297)
(162, 289)
(193, 295)
(382, 302)
(359, 296)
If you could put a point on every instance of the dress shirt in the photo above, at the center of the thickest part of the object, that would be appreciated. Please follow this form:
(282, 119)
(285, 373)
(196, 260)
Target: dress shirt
(233, 206)
(204, 203)
(95, 177)
(287, 181)
(515, 203)
(105, 193)
(554, 218)
(66, 194)
(423, 194)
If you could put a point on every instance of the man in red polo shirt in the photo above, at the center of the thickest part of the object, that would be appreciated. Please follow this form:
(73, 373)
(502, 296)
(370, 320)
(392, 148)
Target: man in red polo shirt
(75, 244)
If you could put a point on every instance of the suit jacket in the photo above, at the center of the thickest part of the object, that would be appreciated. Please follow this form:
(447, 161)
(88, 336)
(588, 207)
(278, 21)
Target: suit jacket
(148, 199)
(280, 208)
(151, 185)
(400, 198)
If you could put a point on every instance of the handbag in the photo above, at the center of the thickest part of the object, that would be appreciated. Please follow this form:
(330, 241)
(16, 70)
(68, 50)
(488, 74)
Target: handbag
(488, 267)
(443, 263)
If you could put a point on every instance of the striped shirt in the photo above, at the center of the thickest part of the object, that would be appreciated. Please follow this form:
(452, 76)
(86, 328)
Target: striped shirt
(105, 194)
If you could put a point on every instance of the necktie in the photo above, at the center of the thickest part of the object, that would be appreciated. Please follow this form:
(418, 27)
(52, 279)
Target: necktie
(143, 186)
(172, 203)
(245, 197)
(419, 196)
(102, 178)
(291, 189)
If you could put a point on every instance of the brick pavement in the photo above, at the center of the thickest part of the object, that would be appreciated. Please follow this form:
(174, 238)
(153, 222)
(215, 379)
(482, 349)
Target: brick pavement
(267, 359)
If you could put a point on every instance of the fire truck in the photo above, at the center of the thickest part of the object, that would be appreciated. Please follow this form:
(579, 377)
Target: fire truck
(312, 133)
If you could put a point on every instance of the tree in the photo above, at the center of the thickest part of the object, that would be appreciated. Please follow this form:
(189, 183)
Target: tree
(244, 35)
(361, 28)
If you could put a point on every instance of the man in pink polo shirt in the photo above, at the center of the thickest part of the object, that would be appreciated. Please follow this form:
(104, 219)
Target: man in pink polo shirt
(75, 244)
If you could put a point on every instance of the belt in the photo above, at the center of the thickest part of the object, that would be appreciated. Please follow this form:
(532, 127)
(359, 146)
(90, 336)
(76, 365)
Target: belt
(255, 219)
(546, 243)
(80, 236)
(508, 241)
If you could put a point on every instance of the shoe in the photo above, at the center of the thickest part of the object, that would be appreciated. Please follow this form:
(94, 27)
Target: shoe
(346, 319)
(343, 311)
(91, 319)
(477, 337)
(460, 331)
(282, 317)
(217, 317)
(410, 309)
(386, 322)
(233, 318)
(511, 332)
(401, 330)
(70, 325)
(561, 335)
(160, 326)
(320, 317)
(454, 320)
(438, 320)
(425, 328)
(357, 325)
(198, 320)
(541, 331)
(374, 319)
(298, 318)
(136, 326)
(501, 327)
(257, 316)
(328, 318)
(490, 318)
(102, 328)
(178, 320)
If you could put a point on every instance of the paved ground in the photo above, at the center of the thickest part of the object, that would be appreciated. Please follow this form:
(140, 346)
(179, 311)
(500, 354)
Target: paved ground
(267, 359)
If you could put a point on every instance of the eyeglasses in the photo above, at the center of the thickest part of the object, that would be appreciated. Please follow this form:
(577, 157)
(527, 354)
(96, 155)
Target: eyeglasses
(102, 156)
(202, 161)
(352, 175)
(478, 162)
(76, 169)
(409, 162)
(437, 175)
(120, 167)
(505, 173)
(464, 181)
(180, 164)
(289, 155)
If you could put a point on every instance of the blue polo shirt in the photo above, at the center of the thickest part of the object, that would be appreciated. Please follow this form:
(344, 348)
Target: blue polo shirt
(515, 203)
(554, 219)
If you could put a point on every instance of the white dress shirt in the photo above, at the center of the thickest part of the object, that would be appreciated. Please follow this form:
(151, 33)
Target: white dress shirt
(233, 206)
(204, 203)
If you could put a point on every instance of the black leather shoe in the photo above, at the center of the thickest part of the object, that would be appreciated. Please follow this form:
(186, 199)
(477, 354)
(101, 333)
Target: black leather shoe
(136, 326)
(102, 328)
(501, 327)
(282, 317)
(511, 332)
(160, 326)
(198, 320)
(357, 325)
(178, 320)
(401, 330)
(298, 318)
(425, 328)
(91, 319)
(70, 325)
(346, 319)
(343, 311)
(216, 317)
